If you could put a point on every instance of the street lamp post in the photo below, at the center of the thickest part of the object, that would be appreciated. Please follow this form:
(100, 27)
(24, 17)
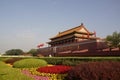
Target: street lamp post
(54, 50)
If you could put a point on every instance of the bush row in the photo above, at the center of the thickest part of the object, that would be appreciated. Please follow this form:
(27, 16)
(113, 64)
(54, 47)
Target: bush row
(72, 61)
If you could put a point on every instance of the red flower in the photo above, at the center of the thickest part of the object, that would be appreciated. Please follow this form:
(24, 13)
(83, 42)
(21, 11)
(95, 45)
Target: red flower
(59, 69)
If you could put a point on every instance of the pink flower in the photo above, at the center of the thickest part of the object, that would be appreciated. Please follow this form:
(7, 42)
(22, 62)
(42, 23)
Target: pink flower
(26, 72)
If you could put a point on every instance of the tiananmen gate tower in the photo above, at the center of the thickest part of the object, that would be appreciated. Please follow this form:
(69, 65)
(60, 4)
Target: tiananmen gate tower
(78, 41)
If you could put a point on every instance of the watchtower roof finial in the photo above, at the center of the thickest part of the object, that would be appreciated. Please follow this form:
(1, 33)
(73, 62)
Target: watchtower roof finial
(59, 32)
(81, 24)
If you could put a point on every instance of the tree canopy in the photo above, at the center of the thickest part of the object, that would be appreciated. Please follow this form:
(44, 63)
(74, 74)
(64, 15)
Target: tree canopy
(113, 40)
(33, 52)
(14, 52)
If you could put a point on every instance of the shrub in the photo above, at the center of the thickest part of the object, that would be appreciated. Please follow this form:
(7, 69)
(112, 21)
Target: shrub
(12, 60)
(95, 71)
(59, 69)
(30, 63)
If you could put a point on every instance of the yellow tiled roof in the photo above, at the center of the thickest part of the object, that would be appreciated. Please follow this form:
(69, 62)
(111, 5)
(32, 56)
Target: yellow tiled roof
(71, 31)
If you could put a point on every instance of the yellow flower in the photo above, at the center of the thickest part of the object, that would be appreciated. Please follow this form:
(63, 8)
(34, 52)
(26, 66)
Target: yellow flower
(50, 65)
(9, 65)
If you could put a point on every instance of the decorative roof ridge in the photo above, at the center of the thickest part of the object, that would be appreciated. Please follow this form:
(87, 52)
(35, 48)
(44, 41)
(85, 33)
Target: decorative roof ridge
(71, 28)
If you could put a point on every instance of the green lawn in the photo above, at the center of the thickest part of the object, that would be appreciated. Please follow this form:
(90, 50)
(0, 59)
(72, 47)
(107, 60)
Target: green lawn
(9, 73)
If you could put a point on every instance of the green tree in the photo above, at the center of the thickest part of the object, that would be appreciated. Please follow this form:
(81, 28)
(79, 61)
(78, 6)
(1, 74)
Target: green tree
(33, 52)
(14, 52)
(113, 40)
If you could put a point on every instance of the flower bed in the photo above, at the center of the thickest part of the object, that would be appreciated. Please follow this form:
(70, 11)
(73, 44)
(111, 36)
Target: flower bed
(50, 75)
(26, 72)
(59, 69)
(58, 72)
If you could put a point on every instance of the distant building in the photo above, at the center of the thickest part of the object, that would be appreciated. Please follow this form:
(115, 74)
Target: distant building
(77, 39)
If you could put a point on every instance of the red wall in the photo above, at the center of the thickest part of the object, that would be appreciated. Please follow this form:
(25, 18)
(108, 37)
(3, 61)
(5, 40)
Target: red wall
(90, 54)
(80, 49)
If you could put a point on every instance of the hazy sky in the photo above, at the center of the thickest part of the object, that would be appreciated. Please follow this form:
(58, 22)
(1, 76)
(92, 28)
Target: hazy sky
(26, 23)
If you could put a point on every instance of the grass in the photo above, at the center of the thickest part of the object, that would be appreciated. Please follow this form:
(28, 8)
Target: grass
(9, 73)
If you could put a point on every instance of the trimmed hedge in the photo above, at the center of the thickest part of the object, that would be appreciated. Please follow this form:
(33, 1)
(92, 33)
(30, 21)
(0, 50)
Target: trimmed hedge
(68, 61)
(72, 61)
(30, 63)
(104, 70)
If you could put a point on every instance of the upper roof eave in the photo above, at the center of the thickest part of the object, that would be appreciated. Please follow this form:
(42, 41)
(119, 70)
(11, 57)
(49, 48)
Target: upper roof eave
(70, 31)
